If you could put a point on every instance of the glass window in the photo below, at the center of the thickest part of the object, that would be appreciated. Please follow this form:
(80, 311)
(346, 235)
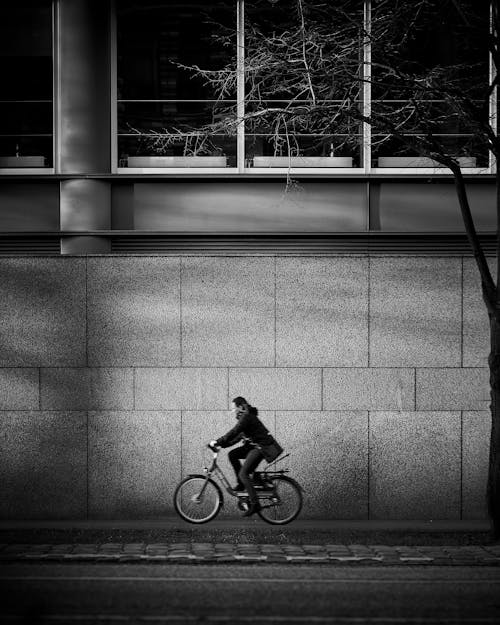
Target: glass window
(444, 45)
(26, 88)
(299, 64)
(299, 73)
(165, 108)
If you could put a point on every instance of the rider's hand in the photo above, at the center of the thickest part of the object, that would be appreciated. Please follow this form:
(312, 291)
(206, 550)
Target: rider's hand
(213, 445)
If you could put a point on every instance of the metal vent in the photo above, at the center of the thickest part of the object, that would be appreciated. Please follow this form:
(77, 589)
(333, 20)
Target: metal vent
(426, 244)
(30, 245)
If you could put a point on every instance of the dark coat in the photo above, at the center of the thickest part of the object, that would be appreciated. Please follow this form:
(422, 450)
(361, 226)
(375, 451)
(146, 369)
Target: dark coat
(250, 427)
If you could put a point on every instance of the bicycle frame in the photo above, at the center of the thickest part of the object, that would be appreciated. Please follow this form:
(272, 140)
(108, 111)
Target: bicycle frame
(215, 471)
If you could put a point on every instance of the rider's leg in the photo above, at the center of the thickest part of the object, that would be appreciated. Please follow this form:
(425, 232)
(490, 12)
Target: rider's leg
(235, 455)
(252, 460)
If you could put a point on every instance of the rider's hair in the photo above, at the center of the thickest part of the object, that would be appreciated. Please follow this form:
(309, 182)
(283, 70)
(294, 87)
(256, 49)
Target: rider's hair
(240, 401)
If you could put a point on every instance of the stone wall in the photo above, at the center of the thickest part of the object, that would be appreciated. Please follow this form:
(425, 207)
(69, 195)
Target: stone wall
(115, 371)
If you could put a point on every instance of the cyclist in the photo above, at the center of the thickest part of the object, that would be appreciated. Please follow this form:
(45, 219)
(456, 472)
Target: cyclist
(258, 444)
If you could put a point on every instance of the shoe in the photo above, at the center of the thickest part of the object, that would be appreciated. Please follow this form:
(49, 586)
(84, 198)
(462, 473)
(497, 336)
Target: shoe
(253, 508)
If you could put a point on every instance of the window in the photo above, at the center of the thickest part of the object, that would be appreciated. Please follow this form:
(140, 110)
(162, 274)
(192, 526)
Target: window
(446, 34)
(163, 108)
(170, 114)
(26, 88)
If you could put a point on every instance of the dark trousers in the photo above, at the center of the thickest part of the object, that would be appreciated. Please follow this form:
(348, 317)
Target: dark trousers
(251, 458)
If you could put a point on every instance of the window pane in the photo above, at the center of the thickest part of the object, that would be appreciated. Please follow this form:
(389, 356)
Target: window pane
(302, 61)
(426, 75)
(157, 44)
(26, 88)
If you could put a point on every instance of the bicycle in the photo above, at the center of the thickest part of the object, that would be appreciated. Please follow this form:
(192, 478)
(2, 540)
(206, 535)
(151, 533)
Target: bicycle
(199, 499)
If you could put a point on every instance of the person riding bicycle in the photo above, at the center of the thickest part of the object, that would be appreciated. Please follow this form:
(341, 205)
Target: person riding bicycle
(258, 444)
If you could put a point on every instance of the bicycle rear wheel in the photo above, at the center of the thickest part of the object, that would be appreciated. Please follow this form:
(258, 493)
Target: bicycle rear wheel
(197, 499)
(284, 504)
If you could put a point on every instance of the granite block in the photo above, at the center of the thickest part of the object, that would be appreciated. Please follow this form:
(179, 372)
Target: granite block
(329, 458)
(177, 389)
(415, 465)
(134, 463)
(43, 465)
(476, 431)
(228, 312)
(368, 389)
(43, 312)
(198, 429)
(452, 389)
(87, 389)
(415, 306)
(133, 311)
(476, 331)
(277, 389)
(19, 388)
(322, 312)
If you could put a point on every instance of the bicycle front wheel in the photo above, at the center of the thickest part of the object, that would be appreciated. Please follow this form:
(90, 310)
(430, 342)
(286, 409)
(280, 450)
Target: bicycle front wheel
(284, 504)
(197, 499)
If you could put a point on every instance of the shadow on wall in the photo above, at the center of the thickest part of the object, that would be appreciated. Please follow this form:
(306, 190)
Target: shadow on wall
(84, 437)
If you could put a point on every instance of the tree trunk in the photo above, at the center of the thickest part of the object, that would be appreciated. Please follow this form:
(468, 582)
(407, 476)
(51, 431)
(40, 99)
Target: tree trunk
(493, 493)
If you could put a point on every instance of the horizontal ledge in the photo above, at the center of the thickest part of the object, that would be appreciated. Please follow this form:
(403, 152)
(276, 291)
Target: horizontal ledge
(242, 235)
(386, 175)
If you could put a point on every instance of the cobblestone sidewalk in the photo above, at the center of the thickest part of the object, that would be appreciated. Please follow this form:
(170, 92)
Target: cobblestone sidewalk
(223, 552)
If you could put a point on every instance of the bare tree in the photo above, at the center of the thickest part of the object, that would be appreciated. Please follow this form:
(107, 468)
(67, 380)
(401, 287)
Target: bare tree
(306, 71)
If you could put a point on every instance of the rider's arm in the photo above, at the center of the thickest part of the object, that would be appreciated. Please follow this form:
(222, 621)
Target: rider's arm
(235, 434)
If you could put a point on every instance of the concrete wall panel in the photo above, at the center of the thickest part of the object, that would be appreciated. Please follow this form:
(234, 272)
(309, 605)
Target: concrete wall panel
(415, 312)
(415, 465)
(452, 389)
(177, 389)
(19, 389)
(227, 312)
(476, 333)
(133, 312)
(329, 458)
(475, 455)
(277, 389)
(322, 312)
(368, 389)
(43, 312)
(43, 465)
(87, 389)
(134, 463)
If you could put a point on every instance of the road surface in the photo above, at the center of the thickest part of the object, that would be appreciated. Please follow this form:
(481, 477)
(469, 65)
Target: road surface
(234, 594)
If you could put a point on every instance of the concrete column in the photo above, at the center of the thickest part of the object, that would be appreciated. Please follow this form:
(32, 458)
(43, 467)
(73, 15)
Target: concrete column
(84, 127)
(85, 206)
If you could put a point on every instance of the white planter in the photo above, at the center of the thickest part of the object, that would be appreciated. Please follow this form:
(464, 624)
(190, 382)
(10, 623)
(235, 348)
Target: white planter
(22, 161)
(421, 161)
(177, 161)
(302, 161)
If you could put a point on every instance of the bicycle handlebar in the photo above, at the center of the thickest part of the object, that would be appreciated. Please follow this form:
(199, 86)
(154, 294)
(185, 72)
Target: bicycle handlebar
(213, 447)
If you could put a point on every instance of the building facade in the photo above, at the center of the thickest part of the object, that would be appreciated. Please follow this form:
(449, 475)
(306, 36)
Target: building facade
(151, 272)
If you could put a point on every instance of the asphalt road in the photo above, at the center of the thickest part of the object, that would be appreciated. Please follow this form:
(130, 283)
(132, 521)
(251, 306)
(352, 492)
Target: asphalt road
(234, 594)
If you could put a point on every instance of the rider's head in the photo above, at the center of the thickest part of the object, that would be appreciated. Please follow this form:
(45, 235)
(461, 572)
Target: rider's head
(239, 406)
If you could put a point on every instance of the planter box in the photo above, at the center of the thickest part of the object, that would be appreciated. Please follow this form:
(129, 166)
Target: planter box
(421, 161)
(302, 161)
(22, 161)
(177, 161)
